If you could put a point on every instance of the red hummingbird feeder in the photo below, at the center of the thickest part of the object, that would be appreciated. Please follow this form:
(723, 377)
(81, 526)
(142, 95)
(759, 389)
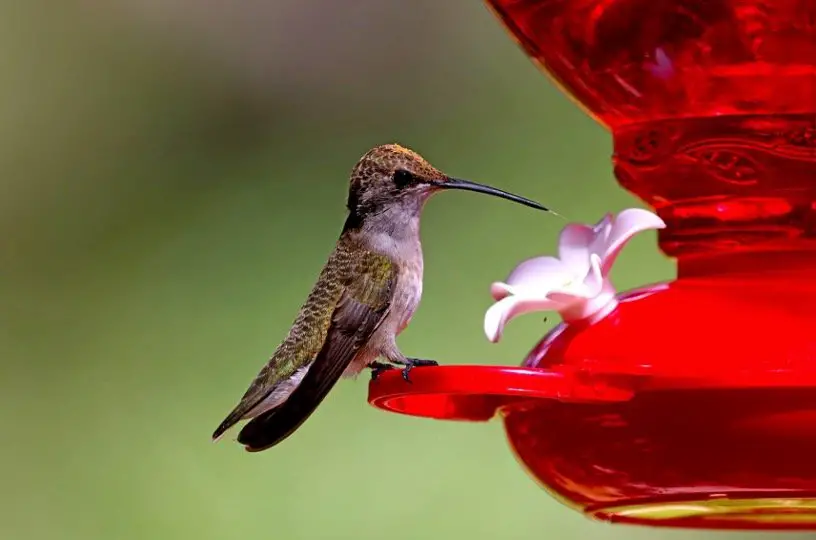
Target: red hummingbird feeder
(693, 402)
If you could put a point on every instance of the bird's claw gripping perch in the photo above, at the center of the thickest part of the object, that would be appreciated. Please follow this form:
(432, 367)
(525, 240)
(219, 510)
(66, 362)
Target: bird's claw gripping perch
(416, 362)
(378, 368)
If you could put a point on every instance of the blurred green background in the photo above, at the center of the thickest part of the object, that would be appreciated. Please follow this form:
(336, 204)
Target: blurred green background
(172, 177)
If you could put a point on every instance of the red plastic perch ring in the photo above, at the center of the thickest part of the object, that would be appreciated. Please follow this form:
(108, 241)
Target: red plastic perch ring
(477, 393)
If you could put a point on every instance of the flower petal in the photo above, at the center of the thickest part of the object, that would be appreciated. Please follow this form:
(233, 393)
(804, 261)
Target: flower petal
(601, 232)
(564, 299)
(500, 313)
(566, 295)
(594, 279)
(539, 274)
(627, 224)
(573, 246)
(499, 290)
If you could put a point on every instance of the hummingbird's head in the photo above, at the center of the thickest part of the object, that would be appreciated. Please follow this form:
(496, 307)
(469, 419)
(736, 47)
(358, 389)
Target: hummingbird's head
(390, 179)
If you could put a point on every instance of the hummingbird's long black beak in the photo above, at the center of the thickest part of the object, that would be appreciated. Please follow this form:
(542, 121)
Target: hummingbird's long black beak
(467, 185)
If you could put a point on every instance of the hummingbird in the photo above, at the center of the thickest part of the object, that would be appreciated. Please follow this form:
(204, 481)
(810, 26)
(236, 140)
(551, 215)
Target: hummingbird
(364, 297)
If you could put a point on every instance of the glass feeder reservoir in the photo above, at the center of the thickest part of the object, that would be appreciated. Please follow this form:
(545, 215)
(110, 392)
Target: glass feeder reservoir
(690, 403)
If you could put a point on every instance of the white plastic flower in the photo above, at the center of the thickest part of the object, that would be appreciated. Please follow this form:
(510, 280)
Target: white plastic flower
(576, 284)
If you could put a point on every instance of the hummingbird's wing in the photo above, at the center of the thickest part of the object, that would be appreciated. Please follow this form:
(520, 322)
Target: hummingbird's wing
(308, 334)
(363, 306)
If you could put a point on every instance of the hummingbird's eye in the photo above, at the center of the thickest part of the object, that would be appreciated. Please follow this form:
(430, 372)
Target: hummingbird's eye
(403, 178)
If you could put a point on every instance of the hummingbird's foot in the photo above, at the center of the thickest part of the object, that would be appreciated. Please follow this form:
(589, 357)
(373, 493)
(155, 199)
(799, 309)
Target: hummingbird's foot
(378, 368)
(411, 363)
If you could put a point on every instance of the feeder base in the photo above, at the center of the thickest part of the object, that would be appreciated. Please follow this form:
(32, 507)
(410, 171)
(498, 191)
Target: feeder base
(772, 513)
